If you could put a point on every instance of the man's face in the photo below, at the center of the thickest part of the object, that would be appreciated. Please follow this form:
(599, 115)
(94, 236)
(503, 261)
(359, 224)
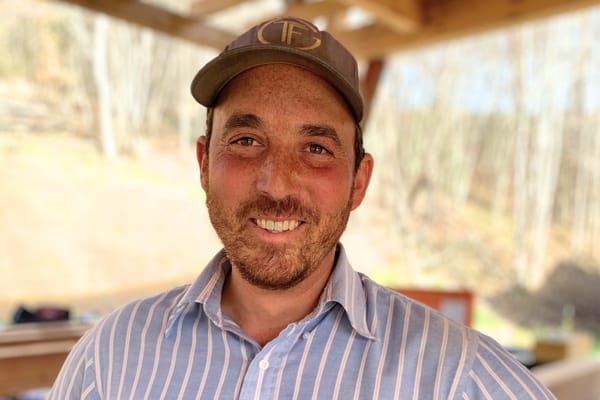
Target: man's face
(279, 177)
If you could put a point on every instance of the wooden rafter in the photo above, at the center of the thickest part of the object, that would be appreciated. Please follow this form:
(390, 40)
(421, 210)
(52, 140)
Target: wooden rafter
(398, 24)
(445, 20)
(369, 83)
(401, 16)
(310, 11)
(160, 19)
(206, 7)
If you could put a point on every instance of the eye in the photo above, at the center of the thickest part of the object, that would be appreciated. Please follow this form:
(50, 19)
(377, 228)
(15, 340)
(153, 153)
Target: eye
(317, 149)
(246, 141)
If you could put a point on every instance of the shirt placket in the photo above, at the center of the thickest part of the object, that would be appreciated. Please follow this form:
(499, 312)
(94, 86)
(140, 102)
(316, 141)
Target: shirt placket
(261, 377)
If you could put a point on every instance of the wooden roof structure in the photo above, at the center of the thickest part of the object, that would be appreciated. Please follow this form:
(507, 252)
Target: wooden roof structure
(370, 29)
(391, 26)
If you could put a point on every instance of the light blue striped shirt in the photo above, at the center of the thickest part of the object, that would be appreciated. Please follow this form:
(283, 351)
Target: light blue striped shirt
(361, 342)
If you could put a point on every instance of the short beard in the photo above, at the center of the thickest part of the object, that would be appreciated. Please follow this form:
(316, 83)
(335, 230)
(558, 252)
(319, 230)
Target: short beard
(276, 267)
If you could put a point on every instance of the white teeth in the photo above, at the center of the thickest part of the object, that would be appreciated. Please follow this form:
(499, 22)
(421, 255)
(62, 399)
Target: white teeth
(277, 226)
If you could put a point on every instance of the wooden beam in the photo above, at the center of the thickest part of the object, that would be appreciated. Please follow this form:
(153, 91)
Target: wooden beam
(310, 11)
(154, 17)
(439, 20)
(206, 7)
(452, 19)
(369, 84)
(370, 42)
(401, 16)
(42, 331)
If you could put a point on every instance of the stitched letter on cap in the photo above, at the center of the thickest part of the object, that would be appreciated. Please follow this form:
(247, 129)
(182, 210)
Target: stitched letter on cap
(290, 32)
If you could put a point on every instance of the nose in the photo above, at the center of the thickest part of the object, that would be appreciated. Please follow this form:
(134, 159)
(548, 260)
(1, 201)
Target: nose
(278, 174)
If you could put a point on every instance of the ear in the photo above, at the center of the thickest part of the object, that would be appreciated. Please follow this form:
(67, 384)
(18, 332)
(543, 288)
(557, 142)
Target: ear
(202, 158)
(361, 180)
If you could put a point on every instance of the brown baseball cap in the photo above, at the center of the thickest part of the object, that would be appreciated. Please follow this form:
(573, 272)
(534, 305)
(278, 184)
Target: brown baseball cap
(287, 40)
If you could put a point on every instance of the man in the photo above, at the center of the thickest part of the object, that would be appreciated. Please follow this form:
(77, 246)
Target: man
(279, 313)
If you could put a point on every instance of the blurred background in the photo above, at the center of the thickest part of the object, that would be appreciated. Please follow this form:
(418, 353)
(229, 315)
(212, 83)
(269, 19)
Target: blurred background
(487, 175)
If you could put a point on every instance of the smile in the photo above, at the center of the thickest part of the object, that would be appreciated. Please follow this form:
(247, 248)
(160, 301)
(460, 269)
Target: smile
(277, 226)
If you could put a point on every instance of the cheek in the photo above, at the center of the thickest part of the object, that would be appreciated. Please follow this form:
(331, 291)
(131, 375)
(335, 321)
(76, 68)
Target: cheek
(228, 176)
(331, 189)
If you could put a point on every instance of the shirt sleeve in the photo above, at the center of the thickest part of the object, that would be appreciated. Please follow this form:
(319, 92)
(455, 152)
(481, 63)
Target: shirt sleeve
(497, 375)
(76, 380)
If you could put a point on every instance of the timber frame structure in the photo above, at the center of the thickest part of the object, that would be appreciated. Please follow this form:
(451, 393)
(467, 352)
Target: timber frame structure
(391, 25)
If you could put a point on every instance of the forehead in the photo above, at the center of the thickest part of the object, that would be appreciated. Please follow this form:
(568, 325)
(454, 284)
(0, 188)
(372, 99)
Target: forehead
(286, 88)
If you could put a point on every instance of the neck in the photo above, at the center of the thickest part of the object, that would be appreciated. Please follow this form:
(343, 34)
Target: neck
(262, 313)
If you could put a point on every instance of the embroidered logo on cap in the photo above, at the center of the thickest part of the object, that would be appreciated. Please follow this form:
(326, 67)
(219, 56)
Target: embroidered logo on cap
(291, 32)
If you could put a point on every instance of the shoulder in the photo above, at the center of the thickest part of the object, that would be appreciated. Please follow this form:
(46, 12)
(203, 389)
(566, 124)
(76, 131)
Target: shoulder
(414, 327)
(461, 360)
(147, 315)
(385, 304)
(139, 320)
(495, 373)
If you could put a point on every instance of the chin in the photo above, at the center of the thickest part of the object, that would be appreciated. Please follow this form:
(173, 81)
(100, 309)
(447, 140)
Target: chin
(272, 269)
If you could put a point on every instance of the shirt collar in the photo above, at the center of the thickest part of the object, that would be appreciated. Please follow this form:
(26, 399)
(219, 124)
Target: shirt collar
(205, 290)
(345, 287)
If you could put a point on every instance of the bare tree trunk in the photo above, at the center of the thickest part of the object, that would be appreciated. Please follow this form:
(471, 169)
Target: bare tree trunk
(503, 147)
(594, 216)
(546, 166)
(581, 192)
(583, 159)
(187, 106)
(521, 161)
(107, 138)
(538, 155)
(131, 64)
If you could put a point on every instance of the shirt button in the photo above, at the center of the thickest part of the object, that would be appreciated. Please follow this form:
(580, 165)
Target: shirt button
(305, 335)
(263, 364)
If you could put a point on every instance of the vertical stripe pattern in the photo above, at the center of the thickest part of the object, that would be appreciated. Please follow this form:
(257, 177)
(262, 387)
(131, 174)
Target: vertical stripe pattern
(362, 342)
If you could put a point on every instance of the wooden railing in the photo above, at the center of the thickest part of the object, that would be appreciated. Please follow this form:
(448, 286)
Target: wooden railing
(31, 355)
(570, 379)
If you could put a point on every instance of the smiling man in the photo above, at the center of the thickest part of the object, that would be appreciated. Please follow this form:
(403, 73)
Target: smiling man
(280, 313)
(280, 180)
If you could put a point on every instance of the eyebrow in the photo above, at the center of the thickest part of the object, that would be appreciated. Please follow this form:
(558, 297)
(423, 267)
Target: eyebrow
(243, 121)
(322, 131)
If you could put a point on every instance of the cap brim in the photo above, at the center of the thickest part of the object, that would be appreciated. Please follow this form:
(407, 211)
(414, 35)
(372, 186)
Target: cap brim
(214, 76)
